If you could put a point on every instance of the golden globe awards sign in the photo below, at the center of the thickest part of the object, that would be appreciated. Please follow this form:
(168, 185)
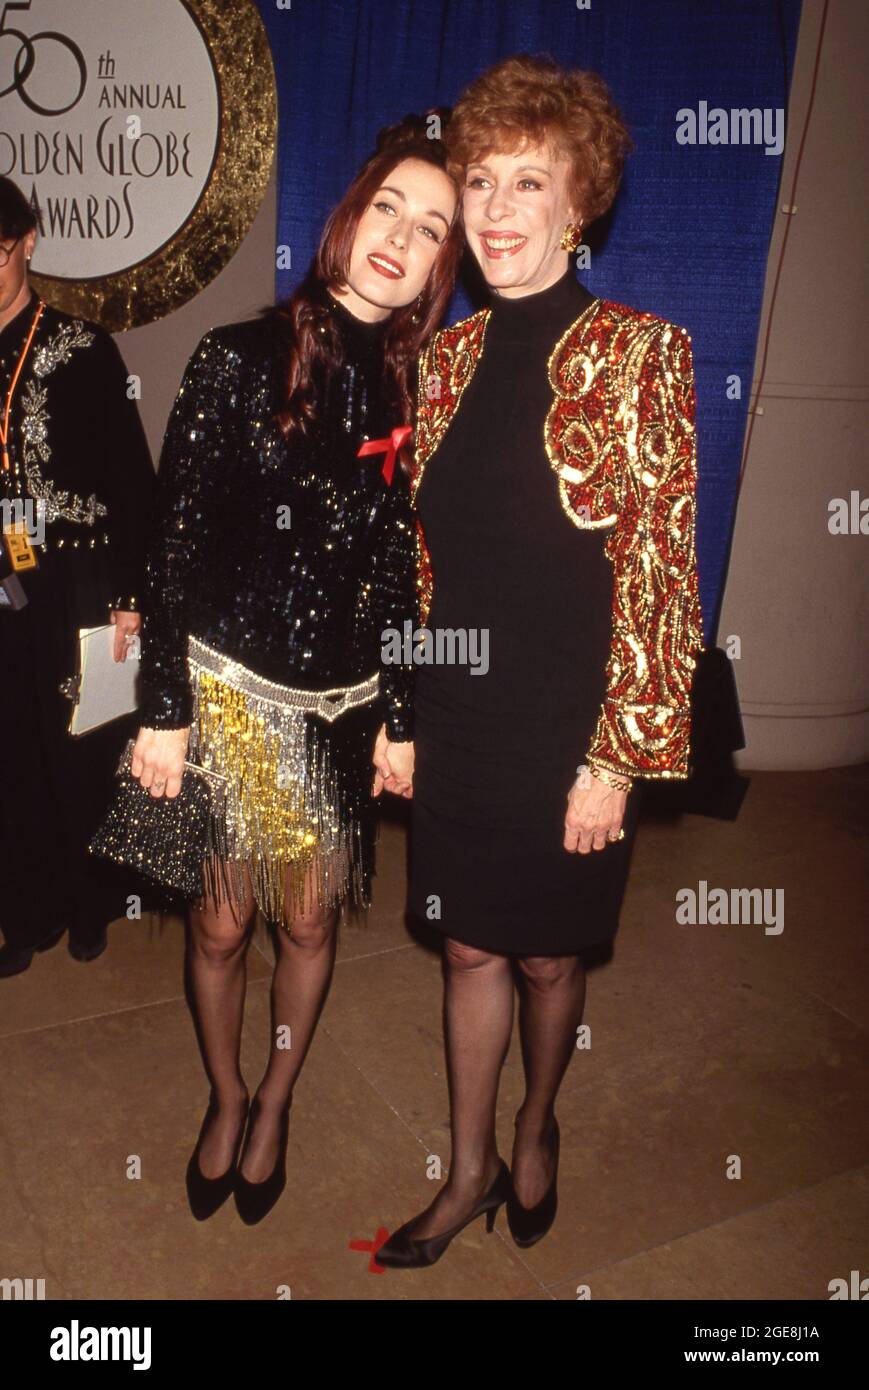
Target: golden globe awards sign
(143, 131)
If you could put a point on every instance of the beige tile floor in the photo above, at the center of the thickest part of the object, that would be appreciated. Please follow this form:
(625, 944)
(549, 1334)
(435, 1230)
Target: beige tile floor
(707, 1041)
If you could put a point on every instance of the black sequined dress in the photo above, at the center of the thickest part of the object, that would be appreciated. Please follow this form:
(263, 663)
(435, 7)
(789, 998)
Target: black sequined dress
(497, 751)
(287, 557)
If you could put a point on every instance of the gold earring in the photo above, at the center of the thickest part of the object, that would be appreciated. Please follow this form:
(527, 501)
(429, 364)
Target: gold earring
(572, 236)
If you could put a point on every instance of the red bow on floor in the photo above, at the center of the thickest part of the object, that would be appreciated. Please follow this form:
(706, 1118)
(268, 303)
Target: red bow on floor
(389, 446)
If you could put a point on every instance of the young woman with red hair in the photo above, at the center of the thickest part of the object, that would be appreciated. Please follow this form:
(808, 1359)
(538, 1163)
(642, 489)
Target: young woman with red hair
(284, 546)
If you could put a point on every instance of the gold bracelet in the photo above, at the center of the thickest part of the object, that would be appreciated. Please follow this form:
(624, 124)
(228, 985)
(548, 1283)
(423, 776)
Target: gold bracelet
(621, 784)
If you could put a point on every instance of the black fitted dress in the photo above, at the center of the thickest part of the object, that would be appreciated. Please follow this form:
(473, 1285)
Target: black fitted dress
(497, 749)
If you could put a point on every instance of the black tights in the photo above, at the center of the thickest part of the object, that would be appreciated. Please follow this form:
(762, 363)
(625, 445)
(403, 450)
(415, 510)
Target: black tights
(478, 1022)
(217, 945)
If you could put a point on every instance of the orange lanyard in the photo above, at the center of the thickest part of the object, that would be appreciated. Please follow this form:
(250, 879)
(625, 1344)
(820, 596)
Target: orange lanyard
(4, 428)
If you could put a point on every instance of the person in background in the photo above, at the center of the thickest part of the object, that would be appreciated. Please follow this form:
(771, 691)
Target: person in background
(74, 463)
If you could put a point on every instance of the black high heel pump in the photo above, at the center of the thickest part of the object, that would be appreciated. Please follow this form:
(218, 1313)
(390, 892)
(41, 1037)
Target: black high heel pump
(254, 1200)
(401, 1251)
(206, 1195)
(530, 1224)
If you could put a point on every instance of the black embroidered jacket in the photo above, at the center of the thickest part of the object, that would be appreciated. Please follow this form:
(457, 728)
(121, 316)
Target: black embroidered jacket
(77, 447)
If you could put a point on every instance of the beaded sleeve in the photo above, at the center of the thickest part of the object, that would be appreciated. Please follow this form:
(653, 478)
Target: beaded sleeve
(396, 603)
(644, 725)
(444, 370)
(200, 440)
(422, 448)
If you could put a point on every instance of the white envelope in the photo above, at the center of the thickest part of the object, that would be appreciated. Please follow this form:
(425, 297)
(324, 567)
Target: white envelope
(104, 689)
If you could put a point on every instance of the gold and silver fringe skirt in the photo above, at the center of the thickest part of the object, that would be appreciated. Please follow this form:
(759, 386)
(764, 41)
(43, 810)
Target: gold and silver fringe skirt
(298, 769)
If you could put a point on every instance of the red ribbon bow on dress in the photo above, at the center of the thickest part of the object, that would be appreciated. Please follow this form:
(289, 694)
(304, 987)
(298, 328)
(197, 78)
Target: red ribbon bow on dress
(389, 446)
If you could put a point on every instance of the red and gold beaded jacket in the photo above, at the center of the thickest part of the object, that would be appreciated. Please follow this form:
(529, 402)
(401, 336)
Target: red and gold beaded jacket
(620, 437)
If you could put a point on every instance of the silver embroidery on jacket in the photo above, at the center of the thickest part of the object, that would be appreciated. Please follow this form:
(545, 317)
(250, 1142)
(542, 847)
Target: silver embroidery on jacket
(34, 429)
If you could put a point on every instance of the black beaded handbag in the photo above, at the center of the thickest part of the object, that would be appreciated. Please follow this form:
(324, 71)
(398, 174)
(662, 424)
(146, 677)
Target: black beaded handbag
(178, 841)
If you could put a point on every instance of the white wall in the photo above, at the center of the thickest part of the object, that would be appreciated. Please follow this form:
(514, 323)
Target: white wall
(796, 596)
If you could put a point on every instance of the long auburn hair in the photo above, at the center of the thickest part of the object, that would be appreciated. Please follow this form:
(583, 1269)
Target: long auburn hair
(303, 319)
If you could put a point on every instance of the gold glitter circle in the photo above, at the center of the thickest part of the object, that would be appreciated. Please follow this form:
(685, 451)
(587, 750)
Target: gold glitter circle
(237, 41)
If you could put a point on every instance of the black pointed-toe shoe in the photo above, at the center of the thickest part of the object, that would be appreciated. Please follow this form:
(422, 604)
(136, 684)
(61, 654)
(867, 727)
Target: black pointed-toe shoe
(89, 950)
(254, 1200)
(401, 1251)
(206, 1195)
(14, 960)
(530, 1224)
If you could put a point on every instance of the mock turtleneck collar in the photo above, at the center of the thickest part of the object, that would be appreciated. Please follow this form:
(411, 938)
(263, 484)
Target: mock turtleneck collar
(356, 332)
(544, 311)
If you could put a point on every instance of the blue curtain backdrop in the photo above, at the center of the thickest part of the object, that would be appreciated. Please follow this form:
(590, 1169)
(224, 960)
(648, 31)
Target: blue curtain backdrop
(689, 234)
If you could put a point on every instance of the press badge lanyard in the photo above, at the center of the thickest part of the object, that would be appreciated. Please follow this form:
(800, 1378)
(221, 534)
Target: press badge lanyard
(4, 428)
(21, 552)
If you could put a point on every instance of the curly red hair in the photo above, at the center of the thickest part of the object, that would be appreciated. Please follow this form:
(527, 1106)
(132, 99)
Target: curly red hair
(532, 101)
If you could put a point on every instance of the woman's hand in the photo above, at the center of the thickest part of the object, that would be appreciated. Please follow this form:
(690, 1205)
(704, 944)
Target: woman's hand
(594, 816)
(158, 760)
(394, 766)
(127, 626)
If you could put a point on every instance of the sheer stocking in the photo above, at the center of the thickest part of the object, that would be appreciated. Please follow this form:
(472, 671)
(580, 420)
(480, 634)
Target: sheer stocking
(552, 996)
(217, 943)
(303, 971)
(478, 1021)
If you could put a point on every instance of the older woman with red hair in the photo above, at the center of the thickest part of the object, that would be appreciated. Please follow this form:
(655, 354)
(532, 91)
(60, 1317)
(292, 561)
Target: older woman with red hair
(555, 486)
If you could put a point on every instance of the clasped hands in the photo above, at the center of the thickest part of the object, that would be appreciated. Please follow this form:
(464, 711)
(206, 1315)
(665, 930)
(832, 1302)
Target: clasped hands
(393, 764)
(594, 813)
